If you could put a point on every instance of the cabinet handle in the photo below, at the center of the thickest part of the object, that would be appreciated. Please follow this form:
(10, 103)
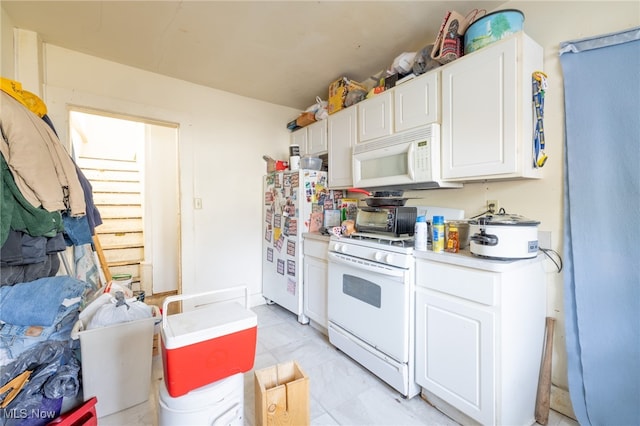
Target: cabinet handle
(485, 239)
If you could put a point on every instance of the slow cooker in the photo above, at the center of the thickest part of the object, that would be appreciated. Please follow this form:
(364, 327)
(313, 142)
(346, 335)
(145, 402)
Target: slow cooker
(504, 236)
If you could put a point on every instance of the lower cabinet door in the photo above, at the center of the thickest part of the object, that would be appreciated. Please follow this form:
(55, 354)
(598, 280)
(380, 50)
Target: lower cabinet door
(315, 289)
(455, 353)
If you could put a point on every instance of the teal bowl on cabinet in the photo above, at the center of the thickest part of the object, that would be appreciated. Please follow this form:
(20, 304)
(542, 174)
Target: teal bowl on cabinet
(491, 28)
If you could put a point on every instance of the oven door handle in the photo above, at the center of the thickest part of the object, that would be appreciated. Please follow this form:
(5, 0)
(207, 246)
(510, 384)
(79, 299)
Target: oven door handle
(366, 266)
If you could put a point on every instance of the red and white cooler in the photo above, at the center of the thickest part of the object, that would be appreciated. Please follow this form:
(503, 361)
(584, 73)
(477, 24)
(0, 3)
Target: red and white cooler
(208, 343)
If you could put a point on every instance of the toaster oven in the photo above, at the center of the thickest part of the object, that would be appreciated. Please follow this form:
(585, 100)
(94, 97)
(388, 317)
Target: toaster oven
(389, 220)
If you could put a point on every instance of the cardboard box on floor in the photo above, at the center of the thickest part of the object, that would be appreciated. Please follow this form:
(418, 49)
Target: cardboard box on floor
(282, 395)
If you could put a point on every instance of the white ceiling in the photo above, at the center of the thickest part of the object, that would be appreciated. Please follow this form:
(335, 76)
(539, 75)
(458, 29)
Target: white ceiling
(282, 52)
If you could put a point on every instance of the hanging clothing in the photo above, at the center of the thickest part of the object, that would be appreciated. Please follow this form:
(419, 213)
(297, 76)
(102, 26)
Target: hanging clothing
(92, 218)
(602, 226)
(86, 266)
(29, 100)
(17, 214)
(43, 170)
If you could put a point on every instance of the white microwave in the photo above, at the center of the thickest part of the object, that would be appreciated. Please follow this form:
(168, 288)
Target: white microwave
(409, 159)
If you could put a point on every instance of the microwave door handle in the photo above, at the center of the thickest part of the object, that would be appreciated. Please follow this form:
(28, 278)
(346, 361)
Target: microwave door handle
(410, 159)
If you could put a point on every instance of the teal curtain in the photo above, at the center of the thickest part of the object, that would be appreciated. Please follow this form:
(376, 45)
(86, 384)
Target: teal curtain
(602, 226)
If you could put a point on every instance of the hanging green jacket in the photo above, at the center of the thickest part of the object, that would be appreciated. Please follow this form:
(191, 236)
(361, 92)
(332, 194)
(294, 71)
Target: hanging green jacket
(18, 214)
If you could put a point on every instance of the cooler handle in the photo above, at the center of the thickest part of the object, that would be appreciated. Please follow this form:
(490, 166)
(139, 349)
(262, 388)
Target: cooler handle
(179, 297)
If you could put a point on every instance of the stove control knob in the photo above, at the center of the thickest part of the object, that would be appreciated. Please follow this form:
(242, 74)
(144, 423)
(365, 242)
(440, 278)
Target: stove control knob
(389, 258)
(342, 248)
(378, 256)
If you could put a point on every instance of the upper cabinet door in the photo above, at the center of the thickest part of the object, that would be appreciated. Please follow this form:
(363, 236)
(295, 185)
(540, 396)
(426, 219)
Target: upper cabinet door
(487, 118)
(299, 137)
(417, 102)
(317, 138)
(341, 138)
(375, 117)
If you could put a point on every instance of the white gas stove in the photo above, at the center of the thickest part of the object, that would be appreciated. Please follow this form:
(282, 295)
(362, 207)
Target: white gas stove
(371, 310)
(370, 305)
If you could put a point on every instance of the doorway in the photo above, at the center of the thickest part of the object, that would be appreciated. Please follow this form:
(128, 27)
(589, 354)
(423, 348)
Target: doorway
(132, 165)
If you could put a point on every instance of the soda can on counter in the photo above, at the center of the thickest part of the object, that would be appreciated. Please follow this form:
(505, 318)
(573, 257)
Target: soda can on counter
(437, 239)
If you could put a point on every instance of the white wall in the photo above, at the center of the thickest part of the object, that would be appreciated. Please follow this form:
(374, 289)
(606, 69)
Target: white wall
(222, 138)
(6, 46)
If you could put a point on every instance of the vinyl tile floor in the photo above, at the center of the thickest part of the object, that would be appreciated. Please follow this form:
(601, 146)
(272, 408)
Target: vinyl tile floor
(341, 391)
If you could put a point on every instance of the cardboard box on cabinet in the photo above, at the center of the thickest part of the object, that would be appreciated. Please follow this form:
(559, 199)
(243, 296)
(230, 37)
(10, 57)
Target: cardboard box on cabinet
(305, 118)
(338, 91)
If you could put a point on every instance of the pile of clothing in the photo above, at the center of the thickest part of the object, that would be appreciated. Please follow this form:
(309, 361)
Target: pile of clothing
(46, 206)
(37, 353)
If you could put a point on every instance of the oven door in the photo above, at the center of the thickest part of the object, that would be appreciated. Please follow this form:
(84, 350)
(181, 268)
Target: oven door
(372, 302)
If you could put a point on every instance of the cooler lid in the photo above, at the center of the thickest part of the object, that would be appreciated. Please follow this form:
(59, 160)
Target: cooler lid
(207, 323)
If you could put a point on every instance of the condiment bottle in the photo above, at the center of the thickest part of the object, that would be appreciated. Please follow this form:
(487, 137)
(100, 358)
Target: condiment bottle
(437, 240)
(420, 234)
(453, 239)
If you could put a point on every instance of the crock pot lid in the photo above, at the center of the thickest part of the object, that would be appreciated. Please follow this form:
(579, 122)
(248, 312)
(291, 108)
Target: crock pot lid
(504, 219)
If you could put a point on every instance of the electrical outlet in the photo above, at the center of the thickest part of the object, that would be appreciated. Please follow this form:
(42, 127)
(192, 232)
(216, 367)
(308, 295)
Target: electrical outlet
(544, 239)
(493, 206)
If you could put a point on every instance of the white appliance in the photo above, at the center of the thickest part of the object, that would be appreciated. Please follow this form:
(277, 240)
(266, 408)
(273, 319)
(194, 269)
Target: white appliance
(410, 159)
(371, 301)
(290, 198)
(504, 236)
(371, 305)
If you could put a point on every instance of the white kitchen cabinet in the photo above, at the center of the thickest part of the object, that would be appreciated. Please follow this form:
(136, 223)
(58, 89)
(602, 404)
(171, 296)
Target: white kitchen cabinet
(417, 102)
(341, 138)
(487, 112)
(299, 137)
(317, 138)
(375, 117)
(315, 279)
(479, 335)
(312, 139)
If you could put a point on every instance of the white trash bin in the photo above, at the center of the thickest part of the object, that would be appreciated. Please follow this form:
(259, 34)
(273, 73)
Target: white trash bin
(116, 363)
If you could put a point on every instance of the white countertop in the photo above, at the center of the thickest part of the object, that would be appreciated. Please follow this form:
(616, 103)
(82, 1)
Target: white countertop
(316, 236)
(465, 258)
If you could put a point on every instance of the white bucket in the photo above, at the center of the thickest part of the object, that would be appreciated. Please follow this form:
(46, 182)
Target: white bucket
(220, 402)
(124, 280)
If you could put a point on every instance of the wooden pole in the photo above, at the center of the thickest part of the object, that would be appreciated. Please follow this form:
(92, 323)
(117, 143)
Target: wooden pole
(103, 260)
(544, 382)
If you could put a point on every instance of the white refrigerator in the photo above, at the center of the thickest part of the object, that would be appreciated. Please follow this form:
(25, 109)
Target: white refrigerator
(294, 202)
